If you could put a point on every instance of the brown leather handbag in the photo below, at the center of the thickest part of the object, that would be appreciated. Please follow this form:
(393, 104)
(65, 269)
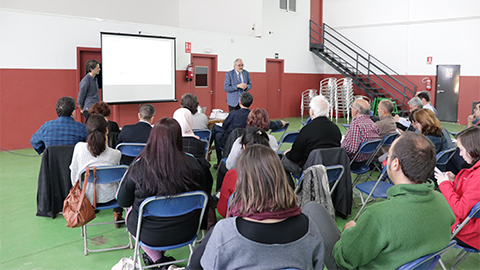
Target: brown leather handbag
(77, 210)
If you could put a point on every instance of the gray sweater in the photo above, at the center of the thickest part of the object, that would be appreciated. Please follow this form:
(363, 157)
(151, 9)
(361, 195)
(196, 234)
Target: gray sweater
(228, 249)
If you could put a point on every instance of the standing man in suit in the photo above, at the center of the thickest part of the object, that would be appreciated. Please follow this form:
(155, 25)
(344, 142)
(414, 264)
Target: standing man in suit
(88, 88)
(139, 132)
(237, 81)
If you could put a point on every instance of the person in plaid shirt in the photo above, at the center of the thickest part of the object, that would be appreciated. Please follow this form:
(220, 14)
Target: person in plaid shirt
(362, 129)
(62, 131)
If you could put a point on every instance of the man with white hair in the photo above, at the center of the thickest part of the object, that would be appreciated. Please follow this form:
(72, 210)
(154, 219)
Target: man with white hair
(319, 133)
(403, 123)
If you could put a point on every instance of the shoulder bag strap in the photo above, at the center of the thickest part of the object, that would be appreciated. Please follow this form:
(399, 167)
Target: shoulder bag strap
(94, 187)
(82, 195)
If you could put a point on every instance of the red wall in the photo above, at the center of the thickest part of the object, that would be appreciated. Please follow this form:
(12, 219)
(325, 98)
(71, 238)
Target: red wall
(28, 98)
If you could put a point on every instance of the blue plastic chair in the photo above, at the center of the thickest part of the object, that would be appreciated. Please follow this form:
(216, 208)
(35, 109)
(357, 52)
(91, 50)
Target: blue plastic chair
(204, 135)
(371, 148)
(443, 157)
(474, 213)
(334, 173)
(170, 206)
(427, 262)
(288, 137)
(375, 189)
(309, 119)
(281, 129)
(131, 149)
(346, 126)
(386, 141)
(105, 175)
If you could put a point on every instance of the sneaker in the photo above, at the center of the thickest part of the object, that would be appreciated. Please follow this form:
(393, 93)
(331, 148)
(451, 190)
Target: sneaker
(163, 260)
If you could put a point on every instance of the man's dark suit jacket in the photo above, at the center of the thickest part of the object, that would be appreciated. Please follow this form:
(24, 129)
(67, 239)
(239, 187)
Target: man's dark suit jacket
(235, 119)
(137, 133)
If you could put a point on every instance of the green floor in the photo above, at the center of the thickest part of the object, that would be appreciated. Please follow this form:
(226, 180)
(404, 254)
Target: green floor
(31, 242)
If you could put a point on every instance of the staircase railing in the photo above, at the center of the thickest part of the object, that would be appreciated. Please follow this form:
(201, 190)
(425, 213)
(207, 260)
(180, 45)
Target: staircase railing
(369, 73)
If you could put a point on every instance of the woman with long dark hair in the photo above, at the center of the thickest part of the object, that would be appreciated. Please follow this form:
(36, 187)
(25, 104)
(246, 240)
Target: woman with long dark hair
(95, 152)
(462, 191)
(161, 169)
(102, 108)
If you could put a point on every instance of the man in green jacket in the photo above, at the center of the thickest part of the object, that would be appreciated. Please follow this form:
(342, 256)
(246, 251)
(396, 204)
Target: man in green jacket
(414, 221)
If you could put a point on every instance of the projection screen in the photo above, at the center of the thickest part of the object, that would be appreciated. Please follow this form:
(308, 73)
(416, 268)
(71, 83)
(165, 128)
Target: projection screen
(137, 68)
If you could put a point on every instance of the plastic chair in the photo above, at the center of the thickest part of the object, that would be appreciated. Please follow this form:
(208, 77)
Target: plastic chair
(474, 213)
(288, 137)
(334, 173)
(170, 206)
(282, 129)
(204, 135)
(371, 148)
(105, 175)
(346, 126)
(428, 261)
(375, 189)
(386, 141)
(131, 149)
(443, 157)
(309, 119)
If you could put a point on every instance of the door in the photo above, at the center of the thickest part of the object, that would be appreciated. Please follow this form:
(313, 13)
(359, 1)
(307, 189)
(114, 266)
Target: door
(203, 84)
(83, 55)
(316, 7)
(447, 87)
(274, 87)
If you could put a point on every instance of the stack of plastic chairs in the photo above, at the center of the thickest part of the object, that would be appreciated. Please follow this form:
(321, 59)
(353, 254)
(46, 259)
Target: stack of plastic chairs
(328, 89)
(345, 97)
(307, 95)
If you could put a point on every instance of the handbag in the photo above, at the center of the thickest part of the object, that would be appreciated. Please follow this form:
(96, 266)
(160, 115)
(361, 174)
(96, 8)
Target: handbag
(77, 210)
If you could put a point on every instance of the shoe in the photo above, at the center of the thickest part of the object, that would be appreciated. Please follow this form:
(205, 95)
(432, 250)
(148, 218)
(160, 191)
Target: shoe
(165, 259)
(146, 259)
(215, 166)
(117, 216)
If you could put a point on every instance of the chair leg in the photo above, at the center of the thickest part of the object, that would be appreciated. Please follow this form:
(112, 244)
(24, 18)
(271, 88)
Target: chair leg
(441, 264)
(85, 241)
(465, 254)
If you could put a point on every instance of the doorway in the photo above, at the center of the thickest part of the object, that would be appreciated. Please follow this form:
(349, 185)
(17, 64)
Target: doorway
(274, 87)
(446, 94)
(83, 55)
(203, 84)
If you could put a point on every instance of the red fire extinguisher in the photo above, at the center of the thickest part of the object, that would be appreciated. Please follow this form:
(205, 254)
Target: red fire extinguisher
(428, 83)
(190, 69)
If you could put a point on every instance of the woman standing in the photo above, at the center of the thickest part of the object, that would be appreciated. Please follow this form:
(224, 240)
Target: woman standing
(463, 190)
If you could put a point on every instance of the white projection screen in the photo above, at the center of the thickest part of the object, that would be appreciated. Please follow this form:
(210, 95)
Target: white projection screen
(137, 68)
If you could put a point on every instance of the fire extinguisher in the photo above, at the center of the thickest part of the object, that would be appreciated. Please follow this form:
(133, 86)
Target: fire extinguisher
(428, 83)
(190, 69)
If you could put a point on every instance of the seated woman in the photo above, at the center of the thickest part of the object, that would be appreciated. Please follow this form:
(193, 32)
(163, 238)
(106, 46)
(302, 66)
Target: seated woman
(256, 118)
(428, 125)
(192, 145)
(269, 230)
(95, 152)
(102, 108)
(253, 135)
(161, 169)
(190, 102)
(463, 190)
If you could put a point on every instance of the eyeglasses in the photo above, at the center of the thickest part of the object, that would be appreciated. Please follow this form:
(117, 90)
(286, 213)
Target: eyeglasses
(240, 65)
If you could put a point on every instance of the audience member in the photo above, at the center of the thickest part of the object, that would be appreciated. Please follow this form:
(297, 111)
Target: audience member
(62, 131)
(139, 132)
(256, 118)
(402, 123)
(113, 129)
(235, 119)
(385, 125)
(319, 133)
(463, 190)
(268, 230)
(95, 152)
(424, 96)
(161, 169)
(88, 87)
(190, 102)
(237, 81)
(414, 221)
(474, 119)
(253, 135)
(362, 129)
(430, 126)
(192, 145)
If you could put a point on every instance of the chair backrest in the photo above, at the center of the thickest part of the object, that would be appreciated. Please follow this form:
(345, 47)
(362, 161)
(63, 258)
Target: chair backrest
(207, 144)
(370, 147)
(288, 137)
(203, 134)
(105, 174)
(474, 213)
(131, 149)
(334, 173)
(309, 119)
(389, 138)
(444, 156)
(428, 261)
(281, 129)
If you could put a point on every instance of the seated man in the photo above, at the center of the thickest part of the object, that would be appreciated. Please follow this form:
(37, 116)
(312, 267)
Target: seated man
(385, 125)
(402, 123)
(474, 119)
(319, 133)
(62, 131)
(139, 132)
(424, 96)
(414, 221)
(362, 129)
(235, 119)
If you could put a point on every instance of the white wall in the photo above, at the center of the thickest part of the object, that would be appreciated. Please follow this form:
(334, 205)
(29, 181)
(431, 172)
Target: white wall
(403, 33)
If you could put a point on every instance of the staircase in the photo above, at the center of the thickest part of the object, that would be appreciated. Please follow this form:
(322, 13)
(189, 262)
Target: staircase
(367, 72)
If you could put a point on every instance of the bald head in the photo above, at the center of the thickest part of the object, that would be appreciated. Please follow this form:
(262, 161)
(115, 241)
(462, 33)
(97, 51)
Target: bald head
(361, 107)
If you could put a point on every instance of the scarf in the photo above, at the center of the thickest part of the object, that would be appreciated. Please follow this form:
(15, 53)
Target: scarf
(266, 214)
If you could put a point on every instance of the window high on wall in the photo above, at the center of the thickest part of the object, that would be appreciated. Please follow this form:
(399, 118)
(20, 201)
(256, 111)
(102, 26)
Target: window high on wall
(288, 5)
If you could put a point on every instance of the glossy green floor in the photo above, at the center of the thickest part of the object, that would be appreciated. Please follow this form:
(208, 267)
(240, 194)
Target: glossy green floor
(31, 242)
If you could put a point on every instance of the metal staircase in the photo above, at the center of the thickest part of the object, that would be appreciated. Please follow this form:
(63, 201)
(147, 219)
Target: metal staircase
(367, 72)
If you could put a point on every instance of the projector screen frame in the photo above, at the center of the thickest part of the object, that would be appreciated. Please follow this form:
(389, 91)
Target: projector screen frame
(173, 39)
